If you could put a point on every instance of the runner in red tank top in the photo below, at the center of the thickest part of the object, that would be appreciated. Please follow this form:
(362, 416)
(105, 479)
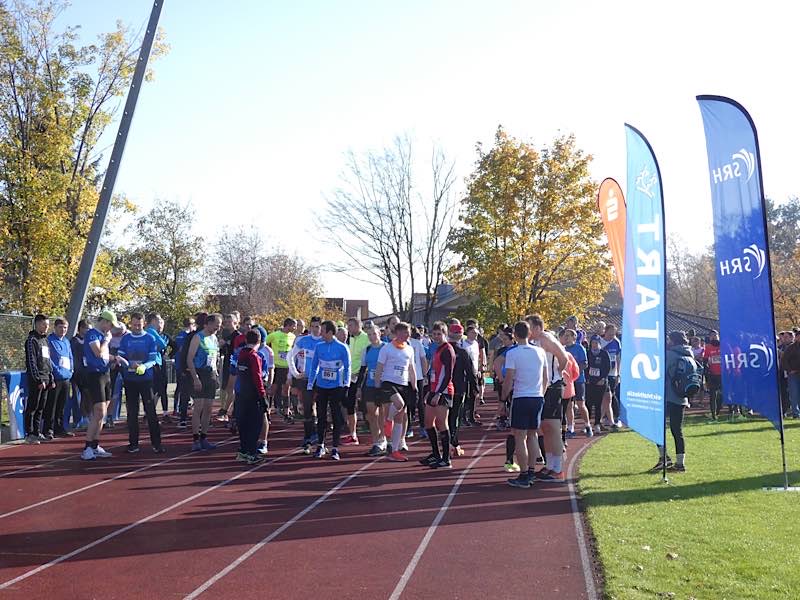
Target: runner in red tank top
(439, 400)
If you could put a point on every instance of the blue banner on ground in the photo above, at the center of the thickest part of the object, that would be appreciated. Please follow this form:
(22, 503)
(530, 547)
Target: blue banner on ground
(15, 385)
(746, 318)
(643, 308)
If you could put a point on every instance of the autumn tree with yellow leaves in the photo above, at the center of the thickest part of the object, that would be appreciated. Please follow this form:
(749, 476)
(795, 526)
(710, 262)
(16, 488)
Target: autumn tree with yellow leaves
(530, 238)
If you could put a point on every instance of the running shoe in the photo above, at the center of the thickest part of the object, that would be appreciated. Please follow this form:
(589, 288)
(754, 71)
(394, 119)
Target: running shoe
(541, 473)
(570, 435)
(47, 437)
(262, 449)
(660, 465)
(206, 445)
(677, 468)
(429, 460)
(423, 434)
(64, 434)
(403, 446)
(520, 482)
(350, 440)
(397, 457)
(320, 452)
(101, 452)
(511, 467)
(409, 433)
(159, 449)
(181, 424)
(307, 449)
(196, 446)
(552, 476)
(442, 463)
(109, 423)
(376, 451)
(32, 439)
(242, 457)
(254, 460)
(588, 432)
(131, 449)
(335, 454)
(88, 454)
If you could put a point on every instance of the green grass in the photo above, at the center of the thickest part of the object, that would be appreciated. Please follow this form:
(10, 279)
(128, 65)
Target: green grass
(732, 540)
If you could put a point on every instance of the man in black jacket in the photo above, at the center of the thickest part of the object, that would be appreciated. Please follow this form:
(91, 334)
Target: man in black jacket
(39, 376)
(464, 379)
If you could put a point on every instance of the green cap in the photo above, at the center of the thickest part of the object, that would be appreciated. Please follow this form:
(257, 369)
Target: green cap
(110, 316)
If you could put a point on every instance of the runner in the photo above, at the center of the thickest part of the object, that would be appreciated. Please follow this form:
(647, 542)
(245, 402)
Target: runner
(300, 360)
(551, 443)
(201, 361)
(138, 354)
(525, 382)
(499, 369)
(251, 397)
(376, 408)
(464, 381)
(229, 332)
(398, 380)
(40, 378)
(571, 345)
(420, 367)
(329, 377)
(63, 364)
(281, 342)
(97, 359)
(473, 348)
(155, 327)
(440, 400)
(357, 342)
(178, 345)
(712, 364)
(597, 385)
(611, 344)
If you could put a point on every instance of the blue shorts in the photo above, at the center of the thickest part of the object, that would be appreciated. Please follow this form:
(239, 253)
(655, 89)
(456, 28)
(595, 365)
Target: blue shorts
(526, 413)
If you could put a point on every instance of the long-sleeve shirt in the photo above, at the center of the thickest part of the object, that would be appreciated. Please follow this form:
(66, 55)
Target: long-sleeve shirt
(330, 367)
(302, 355)
(162, 342)
(249, 377)
(61, 360)
(141, 349)
(37, 358)
(599, 366)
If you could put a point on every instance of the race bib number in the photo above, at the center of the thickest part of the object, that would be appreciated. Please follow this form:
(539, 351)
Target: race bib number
(45, 352)
(715, 360)
(283, 355)
(400, 371)
(329, 374)
(372, 374)
(594, 372)
(64, 362)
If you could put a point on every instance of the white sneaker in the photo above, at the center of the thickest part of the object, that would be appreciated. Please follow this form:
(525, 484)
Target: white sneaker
(87, 454)
(99, 451)
(404, 447)
(619, 424)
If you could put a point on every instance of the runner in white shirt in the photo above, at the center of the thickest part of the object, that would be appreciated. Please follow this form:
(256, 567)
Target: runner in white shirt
(418, 405)
(398, 379)
(473, 348)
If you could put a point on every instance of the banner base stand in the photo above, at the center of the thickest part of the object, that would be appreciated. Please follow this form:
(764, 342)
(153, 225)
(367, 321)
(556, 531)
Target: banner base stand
(780, 489)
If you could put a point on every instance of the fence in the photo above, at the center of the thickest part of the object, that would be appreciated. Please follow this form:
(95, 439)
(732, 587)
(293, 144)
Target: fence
(14, 331)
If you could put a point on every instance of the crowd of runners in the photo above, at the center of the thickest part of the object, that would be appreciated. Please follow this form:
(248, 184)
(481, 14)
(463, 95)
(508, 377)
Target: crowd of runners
(348, 382)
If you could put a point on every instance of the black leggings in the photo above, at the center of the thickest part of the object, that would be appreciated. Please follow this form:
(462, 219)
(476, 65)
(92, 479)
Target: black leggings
(453, 420)
(594, 400)
(675, 414)
(330, 397)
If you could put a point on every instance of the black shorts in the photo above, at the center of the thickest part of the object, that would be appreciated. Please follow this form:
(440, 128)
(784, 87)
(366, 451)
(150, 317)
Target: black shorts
(389, 389)
(208, 385)
(300, 384)
(444, 400)
(349, 401)
(613, 382)
(98, 387)
(553, 407)
(526, 413)
(580, 391)
(281, 377)
(713, 382)
(373, 395)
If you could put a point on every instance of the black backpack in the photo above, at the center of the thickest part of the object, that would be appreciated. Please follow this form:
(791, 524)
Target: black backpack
(687, 377)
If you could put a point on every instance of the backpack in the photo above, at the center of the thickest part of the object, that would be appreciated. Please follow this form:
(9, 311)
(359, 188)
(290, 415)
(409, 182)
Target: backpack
(687, 377)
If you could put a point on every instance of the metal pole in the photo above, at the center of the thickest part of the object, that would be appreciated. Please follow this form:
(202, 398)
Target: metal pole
(78, 296)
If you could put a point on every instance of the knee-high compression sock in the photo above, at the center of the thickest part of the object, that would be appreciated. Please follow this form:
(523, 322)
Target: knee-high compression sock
(445, 437)
(434, 440)
(511, 447)
(397, 437)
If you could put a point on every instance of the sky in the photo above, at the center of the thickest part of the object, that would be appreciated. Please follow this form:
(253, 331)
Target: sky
(253, 108)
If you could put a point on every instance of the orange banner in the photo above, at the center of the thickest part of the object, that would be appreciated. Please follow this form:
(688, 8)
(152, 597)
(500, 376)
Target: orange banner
(611, 203)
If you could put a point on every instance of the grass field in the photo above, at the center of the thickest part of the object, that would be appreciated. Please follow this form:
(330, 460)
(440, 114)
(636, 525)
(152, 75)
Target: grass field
(710, 533)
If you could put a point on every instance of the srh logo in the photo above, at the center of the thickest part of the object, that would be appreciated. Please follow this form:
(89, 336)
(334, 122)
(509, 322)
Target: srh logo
(759, 357)
(753, 260)
(742, 162)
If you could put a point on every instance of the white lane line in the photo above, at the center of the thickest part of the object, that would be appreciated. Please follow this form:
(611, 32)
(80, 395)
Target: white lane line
(591, 591)
(281, 529)
(412, 565)
(121, 530)
(103, 482)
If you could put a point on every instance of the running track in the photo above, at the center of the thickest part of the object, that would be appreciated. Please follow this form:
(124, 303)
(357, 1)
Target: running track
(188, 525)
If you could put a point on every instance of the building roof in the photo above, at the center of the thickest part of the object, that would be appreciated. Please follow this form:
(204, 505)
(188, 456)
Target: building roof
(675, 320)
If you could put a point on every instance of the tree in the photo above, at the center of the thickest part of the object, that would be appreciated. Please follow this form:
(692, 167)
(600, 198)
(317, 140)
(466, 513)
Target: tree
(56, 100)
(530, 237)
(272, 285)
(691, 281)
(164, 264)
(394, 232)
(784, 238)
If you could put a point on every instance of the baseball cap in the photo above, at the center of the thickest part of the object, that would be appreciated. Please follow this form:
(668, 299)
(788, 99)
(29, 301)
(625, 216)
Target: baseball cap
(108, 315)
(456, 329)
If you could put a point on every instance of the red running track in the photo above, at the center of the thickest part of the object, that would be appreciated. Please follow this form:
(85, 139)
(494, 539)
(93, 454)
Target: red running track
(186, 525)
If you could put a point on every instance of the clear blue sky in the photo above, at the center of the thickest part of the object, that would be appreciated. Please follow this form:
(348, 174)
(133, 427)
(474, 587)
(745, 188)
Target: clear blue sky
(254, 106)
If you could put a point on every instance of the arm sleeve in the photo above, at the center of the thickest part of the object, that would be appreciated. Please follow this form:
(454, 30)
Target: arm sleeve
(312, 376)
(291, 358)
(152, 357)
(346, 361)
(448, 361)
(30, 359)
